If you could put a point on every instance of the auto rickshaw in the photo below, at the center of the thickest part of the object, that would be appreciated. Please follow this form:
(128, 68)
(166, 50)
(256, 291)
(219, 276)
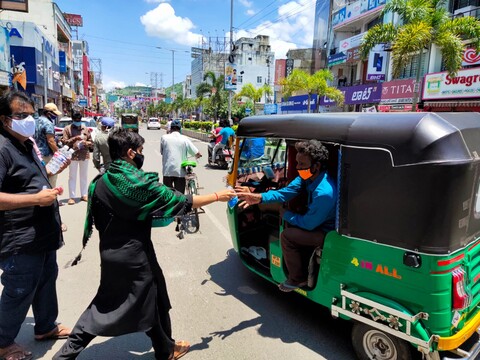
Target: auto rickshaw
(403, 261)
(129, 122)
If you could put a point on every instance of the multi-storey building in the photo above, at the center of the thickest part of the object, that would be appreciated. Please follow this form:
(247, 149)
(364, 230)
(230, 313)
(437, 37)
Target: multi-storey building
(339, 29)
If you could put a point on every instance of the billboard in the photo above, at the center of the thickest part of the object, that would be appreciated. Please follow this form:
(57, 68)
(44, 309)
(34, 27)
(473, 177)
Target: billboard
(280, 68)
(73, 19)
(360, 94)
(14, 5)
(470, 57)
(230, 76)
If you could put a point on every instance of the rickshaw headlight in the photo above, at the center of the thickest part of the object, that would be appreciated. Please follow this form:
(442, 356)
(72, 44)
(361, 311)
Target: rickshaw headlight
(461, 299)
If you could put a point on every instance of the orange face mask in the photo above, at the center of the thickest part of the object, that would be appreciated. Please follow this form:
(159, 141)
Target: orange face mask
(305, 174)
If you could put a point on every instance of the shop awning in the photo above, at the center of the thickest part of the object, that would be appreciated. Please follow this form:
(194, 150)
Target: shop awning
(465, 103)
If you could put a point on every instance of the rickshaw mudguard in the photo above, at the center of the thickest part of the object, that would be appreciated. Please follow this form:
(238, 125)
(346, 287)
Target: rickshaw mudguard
(383, 314)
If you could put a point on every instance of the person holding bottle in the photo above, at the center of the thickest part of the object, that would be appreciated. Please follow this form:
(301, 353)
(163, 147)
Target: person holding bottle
(31, 234)
(124, 204)
(78, 137)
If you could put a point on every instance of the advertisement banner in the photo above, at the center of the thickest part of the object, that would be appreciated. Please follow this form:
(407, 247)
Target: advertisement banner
(398, 91)
(470, 57)
(360, 94)
(337, 59)
(288, 67)
(280, 68)
(230, 76)
(4, 50)
(62, 61)
(298, 103)
(377, 61)
(339, 16)
(439, 86)
(270, 109)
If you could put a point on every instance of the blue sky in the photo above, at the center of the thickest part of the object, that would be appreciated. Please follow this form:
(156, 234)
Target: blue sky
(124, 34)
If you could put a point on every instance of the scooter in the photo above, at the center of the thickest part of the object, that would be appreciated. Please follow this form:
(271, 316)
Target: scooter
(223, 157)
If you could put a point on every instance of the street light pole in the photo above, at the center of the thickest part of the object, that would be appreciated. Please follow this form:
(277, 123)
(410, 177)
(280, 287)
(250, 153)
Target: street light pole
(173, 64)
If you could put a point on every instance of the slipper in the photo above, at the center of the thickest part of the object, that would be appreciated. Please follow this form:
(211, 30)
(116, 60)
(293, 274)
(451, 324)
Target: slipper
(60, 332)
(15, 352)
(64, 227)
(286, 287)
(71, 202)
(180, 349)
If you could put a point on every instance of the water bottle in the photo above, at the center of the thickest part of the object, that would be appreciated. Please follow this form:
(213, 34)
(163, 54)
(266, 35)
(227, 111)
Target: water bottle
(233, 201)
(58, 159)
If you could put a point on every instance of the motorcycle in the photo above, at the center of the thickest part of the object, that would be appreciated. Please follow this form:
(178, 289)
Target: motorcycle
(223, 158)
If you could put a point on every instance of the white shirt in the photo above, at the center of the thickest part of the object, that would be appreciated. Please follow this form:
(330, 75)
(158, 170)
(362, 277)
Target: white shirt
(169, 125)
(175, 148)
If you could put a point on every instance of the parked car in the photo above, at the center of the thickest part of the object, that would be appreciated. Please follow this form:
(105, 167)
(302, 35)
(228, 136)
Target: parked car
(90, 123)
(153, 123)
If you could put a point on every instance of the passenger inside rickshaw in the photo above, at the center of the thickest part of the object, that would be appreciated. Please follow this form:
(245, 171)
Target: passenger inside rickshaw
(307, 212)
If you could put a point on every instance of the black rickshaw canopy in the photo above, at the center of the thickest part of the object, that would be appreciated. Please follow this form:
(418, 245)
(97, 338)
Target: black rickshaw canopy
(411, 138)
(409, 180)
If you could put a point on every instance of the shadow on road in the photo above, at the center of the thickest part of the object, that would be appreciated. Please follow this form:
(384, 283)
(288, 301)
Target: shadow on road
(288, 317)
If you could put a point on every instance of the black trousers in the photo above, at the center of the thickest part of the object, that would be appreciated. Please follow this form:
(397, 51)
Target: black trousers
(178, 183)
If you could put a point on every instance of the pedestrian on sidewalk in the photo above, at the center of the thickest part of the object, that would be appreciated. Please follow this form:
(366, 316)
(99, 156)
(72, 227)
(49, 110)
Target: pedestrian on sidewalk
(175, 149)
(30, 236)
(77, 137)
(123, 204)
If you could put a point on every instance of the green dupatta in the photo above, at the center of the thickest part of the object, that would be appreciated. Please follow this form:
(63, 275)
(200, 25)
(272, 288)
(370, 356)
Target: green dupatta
(140, 191)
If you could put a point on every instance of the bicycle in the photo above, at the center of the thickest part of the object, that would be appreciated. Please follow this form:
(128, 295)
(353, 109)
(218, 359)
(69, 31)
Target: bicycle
(189, 223)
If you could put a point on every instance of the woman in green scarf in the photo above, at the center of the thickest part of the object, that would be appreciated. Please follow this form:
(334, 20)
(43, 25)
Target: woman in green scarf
(132, 297)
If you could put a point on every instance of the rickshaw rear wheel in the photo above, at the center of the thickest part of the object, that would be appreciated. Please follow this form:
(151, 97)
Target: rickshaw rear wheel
(370, 343)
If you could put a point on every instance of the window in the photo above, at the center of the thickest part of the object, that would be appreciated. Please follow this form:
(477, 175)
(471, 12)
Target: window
(259, 79)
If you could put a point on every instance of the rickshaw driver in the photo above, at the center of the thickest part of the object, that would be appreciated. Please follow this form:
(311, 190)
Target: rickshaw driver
(304, 230)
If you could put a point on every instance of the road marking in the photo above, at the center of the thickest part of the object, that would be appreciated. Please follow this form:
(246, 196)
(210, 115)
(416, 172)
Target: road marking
(221, 229)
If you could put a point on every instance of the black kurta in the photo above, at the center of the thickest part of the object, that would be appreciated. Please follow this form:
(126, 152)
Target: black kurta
(132, 296)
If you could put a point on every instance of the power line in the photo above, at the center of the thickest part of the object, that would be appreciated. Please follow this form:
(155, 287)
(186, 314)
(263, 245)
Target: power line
(258, 13)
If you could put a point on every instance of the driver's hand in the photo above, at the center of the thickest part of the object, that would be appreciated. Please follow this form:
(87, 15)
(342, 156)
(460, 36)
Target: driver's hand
(248, 198)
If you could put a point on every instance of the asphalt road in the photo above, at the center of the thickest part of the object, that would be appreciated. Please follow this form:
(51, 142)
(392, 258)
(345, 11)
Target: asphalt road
(222, 309)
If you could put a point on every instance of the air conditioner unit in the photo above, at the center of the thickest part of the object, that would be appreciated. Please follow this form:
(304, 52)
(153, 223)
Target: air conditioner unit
(465, 11)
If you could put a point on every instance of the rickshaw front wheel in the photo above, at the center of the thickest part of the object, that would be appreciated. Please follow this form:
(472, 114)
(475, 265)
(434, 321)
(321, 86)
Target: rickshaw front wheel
(370, 343)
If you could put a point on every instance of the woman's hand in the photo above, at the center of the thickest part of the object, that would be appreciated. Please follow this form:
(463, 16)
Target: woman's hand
(225, 195)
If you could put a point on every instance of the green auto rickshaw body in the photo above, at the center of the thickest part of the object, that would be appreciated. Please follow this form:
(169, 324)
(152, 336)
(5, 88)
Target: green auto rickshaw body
(404, 255)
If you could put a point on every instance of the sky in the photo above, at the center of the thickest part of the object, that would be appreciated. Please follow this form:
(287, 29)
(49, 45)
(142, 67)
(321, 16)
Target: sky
(126, 34)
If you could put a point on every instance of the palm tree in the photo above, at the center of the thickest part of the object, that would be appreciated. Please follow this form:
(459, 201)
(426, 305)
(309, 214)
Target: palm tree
(188, 106)
(301, 81)
(213, 87)
(423, 24)
(249, 91)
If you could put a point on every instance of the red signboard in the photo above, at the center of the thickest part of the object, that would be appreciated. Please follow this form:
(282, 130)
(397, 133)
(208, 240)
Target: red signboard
(353, 55)
(73, 19)
(280, 66)
(398, 91)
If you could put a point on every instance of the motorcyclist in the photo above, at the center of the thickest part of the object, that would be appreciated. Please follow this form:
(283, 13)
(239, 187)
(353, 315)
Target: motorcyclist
(226, 133)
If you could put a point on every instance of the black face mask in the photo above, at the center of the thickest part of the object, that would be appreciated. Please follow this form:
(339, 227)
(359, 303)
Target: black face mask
(138, 160)
(52, 117)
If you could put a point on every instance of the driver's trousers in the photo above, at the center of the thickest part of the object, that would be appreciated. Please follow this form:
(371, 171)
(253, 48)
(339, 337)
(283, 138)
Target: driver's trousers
(294, 242)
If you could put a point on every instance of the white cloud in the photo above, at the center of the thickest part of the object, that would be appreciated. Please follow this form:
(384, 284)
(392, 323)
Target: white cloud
(246, 3)
(162, 23)
(292, 29)
(156, 1)
(250, 12)
(140, 84)
(112, 84)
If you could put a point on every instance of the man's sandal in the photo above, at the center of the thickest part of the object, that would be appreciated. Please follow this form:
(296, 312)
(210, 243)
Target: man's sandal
(286, 287)
(180, 349)
(60, 332)
(15, 352)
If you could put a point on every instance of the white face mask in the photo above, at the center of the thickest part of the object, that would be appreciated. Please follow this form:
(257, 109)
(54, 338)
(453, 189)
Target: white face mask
(25, 127)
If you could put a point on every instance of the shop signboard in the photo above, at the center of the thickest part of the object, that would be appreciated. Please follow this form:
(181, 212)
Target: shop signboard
(73, 19)
(280, 68)
(14, 5)
(339, 16)
(377, 61)
(470, 57)
(398, 91)
(337, 59)
(82, 102)
(360, 94)
(351, 42)
(298, 103)
(270, 109)
(353, 55)
(440, 86)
